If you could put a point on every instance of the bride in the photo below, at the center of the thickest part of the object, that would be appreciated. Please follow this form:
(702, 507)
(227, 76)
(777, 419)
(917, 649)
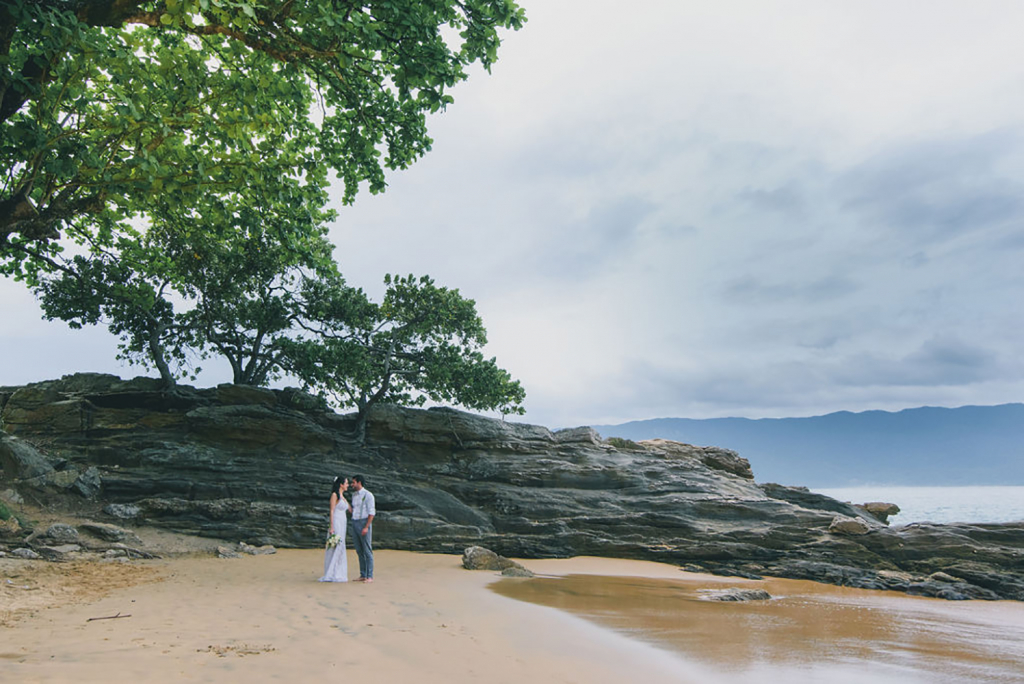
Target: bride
(335, 559)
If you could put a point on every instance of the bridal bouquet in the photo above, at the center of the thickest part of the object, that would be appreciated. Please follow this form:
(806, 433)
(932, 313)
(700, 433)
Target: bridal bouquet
(332, 541)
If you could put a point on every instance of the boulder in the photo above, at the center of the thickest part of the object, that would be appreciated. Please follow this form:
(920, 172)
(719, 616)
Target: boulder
(26, 553)
(20, 460)
(88, 484)
(479, 558)
(61, 533)
(849, 526)
(881, 510)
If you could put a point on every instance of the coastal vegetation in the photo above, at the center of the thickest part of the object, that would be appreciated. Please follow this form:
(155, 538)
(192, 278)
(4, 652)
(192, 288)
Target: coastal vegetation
(108, 108)
(167, 167)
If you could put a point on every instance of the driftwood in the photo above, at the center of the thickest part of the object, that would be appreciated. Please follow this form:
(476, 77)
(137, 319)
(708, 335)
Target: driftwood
(109, 617)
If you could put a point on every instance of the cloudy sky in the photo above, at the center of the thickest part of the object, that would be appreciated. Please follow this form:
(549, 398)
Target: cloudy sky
(701, 209)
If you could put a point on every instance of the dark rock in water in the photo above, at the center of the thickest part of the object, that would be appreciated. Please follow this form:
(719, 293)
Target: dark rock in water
(734, 594)
(255, 465)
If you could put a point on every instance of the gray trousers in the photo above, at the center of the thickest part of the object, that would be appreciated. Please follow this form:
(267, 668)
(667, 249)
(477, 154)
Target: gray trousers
(363, 545)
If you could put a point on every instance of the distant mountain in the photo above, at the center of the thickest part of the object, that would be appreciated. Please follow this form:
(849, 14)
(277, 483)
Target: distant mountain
(971, 445)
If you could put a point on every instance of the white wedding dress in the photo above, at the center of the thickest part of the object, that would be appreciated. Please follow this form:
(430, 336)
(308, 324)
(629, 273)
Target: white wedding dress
(335, 559)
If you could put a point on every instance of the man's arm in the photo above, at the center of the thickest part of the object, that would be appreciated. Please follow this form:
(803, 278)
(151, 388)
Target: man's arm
(373, 512)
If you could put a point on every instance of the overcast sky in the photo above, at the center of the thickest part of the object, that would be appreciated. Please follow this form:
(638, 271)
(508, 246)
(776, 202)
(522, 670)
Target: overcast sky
(701, 209)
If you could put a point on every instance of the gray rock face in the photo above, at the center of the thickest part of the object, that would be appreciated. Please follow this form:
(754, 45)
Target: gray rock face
(87, 484)
(21, 460)
(255, 466)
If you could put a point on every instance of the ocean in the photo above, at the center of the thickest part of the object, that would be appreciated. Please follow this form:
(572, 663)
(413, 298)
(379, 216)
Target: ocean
(993, 504)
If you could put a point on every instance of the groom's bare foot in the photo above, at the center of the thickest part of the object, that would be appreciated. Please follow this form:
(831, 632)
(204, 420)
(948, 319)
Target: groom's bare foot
(368, 580)
(361, 579)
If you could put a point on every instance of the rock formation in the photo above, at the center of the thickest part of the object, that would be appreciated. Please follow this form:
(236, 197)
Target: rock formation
(254, 465)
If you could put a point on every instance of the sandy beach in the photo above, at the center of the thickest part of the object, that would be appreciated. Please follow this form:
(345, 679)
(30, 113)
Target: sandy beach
(426, 619)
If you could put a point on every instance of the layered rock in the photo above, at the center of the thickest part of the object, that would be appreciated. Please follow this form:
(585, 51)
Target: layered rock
(255, 465)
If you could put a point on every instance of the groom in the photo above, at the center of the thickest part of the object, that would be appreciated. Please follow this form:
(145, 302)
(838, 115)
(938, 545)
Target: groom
(363, 510)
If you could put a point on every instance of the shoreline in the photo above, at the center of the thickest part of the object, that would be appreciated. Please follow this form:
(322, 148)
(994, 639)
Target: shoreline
(266, 618)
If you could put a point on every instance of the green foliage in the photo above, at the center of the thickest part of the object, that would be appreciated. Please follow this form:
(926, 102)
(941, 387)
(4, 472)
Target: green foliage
(263, 294)
(5, 513)
(624, 444)
(108, 107)
(164, 167)
(220, 275)
(421, 343)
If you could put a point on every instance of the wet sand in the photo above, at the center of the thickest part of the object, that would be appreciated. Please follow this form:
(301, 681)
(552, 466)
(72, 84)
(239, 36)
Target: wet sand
(808, 632)
(265, 618)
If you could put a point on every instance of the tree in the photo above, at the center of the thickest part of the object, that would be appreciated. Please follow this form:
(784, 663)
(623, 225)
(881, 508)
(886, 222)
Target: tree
(221, 276)
(107, 104)
(422, 343)
(242, 268)
(112, 289)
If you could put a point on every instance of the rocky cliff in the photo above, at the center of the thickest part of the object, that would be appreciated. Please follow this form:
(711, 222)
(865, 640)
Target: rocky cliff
(255, 465)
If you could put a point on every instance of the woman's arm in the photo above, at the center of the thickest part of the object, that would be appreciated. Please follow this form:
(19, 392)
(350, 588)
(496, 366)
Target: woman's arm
(330, 515)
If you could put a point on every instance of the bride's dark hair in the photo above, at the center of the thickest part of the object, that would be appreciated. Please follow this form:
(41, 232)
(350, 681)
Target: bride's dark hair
(336, 487)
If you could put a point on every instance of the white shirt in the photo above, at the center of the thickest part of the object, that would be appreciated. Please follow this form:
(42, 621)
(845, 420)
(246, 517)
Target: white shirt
(363, 505)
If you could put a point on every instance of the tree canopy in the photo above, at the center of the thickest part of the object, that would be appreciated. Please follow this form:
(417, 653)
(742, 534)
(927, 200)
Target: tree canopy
(106, 105)
(422, 342)
(164, 167)
(219, 277)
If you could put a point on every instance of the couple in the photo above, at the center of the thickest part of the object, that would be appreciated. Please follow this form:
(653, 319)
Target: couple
(363, 510)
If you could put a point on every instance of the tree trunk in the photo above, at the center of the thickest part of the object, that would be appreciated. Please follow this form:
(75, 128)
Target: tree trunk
(156, 351)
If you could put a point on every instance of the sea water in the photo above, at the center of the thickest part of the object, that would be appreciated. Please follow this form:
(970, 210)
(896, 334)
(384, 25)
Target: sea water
(994, 504)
